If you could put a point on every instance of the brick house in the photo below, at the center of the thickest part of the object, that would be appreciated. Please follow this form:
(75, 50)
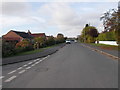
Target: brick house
(36, 34)
(16, 36)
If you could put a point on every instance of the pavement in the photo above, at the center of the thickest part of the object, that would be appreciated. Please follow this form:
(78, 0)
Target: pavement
(72, 66)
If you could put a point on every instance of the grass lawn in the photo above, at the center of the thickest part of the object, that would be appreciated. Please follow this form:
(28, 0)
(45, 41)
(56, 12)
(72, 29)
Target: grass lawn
(105, 46)
(29, 52)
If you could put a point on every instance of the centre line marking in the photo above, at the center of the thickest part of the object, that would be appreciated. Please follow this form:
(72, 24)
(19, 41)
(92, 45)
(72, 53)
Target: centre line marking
(36, 62)
(28, 67)
(1, 77)
(21, 71)
(30, 62)
(12, 71)
(33, 65)
(10, 79)
(19, 68)
(25, 65)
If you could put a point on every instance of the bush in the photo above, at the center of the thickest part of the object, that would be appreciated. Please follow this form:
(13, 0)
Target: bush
(22, 46)
(50, 41)
(107, 36)
(8, 49)
(91, 39)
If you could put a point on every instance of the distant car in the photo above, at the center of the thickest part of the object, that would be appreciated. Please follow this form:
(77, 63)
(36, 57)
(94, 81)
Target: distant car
(68, 42)
(75, 41)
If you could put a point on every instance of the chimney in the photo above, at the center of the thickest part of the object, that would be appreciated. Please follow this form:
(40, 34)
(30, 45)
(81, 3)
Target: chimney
(29, 32)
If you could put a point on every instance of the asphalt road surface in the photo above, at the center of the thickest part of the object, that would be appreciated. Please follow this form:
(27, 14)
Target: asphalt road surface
(73, 66)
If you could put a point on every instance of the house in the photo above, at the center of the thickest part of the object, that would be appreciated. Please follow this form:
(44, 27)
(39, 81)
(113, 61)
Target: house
(36, 34)
(16, 36)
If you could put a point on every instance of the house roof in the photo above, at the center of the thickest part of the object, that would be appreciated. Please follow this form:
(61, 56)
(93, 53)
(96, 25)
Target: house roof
(38, 35)
(23, 34)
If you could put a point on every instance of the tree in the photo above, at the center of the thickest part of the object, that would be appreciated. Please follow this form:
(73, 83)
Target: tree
(89, 33)
(39, 42)
(111, 22)
(60, 38)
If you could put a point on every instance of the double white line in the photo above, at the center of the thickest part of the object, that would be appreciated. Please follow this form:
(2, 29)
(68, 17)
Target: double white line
(13, 77)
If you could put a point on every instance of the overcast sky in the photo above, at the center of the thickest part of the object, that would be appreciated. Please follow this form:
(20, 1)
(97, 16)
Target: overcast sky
(51, 18)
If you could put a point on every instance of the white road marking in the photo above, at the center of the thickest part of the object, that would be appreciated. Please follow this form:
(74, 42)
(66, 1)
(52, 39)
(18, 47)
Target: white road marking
(40, 61)
(12, 71)
(30, 63)
(44, 57)
(10, 79)
(1, 77)
(19, 68)
(36, 62)
(25, 65)
(37, 59)
(28, 67)
(33, 65)
(21, 71)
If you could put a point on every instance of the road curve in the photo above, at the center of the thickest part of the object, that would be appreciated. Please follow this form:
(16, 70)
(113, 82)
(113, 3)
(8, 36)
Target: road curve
(73, 66)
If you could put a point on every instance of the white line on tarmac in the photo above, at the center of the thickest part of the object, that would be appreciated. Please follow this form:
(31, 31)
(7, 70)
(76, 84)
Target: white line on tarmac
(28, 67)
(30, 63)
(38, 59)
(12, 71)
(25, 65)
(33, 65)
(10, 79)
(36, 62)
(19, 68)
(1, 77)
(21, 71)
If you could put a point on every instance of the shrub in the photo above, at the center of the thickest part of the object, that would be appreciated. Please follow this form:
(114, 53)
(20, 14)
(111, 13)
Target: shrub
(107, 36)
(91, 39)
(24, 45)
(50, 41)
(8, 49)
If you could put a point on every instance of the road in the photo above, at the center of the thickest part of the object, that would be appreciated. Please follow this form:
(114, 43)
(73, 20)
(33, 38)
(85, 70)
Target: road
(73, 66)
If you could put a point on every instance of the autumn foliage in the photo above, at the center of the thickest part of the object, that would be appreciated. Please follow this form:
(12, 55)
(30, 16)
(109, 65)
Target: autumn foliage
(23, 44)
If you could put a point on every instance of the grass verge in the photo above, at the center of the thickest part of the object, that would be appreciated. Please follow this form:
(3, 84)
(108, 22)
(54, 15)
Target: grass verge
(105, 46)
(32, 52)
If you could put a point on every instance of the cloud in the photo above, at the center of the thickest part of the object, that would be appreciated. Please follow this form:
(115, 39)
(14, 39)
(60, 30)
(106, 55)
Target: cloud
(64, 17)
(60, 0)
(67, 19)
(16, 15)
(15, 9)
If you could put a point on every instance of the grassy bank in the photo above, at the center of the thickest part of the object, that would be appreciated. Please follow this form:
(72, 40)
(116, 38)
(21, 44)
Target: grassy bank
(32, 52)
(105, 46)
